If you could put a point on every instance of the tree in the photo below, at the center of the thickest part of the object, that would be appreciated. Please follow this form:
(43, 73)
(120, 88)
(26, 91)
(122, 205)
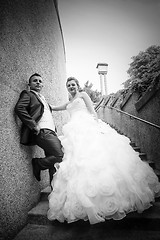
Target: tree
(144, 69)
(94, 94)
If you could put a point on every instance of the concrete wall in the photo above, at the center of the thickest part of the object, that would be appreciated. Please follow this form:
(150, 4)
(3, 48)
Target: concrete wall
(30, 41)
(148, 108)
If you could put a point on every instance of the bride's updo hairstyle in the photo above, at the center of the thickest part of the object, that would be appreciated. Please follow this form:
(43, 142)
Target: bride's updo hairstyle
(76, 81)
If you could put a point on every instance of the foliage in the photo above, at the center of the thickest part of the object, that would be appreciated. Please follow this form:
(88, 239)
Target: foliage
(144, 69)
(94, 94)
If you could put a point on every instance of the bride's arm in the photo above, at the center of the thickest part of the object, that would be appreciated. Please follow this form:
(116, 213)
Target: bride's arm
(89, 104)
(59, 108)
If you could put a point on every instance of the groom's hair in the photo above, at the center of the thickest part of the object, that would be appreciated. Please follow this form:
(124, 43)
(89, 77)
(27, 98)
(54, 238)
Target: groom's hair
(35, 74)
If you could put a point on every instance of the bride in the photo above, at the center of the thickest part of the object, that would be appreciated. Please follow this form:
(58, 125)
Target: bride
(101, 176)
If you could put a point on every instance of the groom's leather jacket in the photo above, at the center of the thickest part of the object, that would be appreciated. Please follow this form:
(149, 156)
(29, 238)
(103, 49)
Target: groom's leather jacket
(29, 109)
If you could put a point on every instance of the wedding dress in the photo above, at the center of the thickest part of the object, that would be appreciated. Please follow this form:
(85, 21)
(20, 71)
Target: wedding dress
(101, 176)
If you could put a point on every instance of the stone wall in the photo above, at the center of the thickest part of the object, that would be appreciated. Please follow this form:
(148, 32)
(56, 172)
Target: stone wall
(31, 41)
(145, 136)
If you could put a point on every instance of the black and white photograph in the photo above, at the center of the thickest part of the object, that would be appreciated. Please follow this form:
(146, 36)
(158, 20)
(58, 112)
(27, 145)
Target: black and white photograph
(80, 119)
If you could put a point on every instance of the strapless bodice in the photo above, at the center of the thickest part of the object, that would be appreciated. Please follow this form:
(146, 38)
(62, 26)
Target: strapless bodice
(77, 105)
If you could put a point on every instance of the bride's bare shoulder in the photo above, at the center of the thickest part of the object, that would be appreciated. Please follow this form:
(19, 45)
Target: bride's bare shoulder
(84, 95)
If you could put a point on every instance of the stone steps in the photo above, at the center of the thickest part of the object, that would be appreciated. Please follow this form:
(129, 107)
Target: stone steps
(117, 230)
(39, 227)
(143, 157)
(38, 215)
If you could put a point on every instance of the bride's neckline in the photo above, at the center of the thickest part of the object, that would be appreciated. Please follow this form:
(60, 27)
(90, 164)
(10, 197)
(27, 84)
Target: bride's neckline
(73, 99)
(71, 102)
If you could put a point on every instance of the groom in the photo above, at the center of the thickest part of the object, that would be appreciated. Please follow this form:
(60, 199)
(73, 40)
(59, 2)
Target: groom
(38, 127)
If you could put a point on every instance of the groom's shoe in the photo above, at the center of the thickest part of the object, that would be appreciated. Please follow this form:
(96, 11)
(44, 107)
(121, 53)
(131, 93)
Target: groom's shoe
(36, 169)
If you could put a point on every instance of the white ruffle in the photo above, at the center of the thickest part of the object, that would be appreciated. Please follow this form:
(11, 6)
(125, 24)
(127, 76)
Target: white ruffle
(101, 176)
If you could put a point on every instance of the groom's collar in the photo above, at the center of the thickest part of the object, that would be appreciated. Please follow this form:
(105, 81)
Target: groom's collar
(39, 95)
(35, 92)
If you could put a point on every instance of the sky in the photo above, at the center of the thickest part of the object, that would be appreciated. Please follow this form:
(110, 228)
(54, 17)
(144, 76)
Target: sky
(107, 31)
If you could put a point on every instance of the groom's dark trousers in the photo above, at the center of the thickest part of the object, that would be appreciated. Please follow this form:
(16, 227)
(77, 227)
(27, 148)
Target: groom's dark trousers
(29, 109)
(48, 141)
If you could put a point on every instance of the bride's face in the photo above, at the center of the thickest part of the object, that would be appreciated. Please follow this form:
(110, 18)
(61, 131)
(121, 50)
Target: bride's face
(72, 87)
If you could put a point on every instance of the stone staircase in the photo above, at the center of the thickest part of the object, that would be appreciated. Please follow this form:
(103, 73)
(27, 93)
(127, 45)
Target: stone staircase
(143, 157)
(39, 227)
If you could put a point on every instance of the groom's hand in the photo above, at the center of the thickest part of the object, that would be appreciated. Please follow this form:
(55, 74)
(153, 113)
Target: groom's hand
(36, 130)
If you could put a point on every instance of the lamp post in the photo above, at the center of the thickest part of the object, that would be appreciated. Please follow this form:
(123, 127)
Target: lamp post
(102, 71)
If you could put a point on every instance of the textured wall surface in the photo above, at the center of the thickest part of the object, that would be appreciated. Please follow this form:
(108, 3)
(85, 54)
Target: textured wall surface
(30, 41)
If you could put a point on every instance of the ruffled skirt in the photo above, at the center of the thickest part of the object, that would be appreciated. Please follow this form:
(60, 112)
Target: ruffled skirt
(101, 176)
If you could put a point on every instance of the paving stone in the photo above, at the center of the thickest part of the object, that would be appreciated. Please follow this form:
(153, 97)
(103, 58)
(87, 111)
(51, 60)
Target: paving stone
(75, 231)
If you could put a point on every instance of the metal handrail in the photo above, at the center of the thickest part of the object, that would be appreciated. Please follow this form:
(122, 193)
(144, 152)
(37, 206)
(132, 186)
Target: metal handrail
(99, 104)
(137, 118)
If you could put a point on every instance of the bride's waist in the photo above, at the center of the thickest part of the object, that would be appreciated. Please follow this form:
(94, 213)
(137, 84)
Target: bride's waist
(79, 113)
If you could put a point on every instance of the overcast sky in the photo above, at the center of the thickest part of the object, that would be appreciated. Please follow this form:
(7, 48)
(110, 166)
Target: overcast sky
(107, 31)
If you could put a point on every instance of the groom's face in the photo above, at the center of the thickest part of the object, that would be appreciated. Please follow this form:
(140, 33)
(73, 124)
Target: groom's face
(36, 83)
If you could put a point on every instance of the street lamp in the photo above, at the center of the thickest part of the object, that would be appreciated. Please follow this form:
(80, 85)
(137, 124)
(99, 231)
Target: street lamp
(102, 71)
